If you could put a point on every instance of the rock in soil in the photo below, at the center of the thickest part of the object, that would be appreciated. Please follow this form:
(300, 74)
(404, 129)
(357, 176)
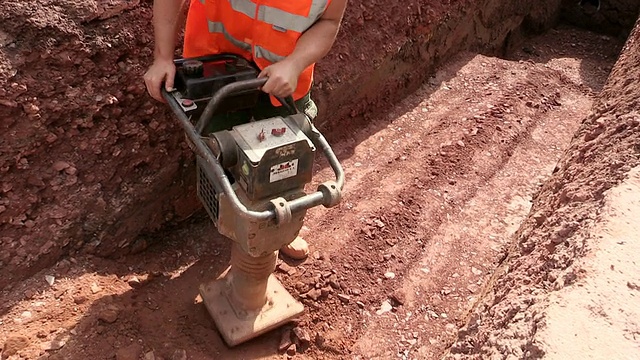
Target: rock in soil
(131, 352)
(109, 315)
(179, 354)
(15, 344)
(302, 335)
(285, 341)
(292, 350)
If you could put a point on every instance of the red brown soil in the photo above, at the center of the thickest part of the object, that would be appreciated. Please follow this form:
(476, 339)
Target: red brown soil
(436, 188)
(615, 17)
(559, 231)
(90, 165)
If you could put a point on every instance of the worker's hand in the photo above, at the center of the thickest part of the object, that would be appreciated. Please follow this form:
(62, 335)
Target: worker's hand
(283, 78)
(160, 71)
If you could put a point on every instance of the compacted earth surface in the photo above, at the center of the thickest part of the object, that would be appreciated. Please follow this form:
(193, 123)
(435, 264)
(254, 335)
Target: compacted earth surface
(437, 188)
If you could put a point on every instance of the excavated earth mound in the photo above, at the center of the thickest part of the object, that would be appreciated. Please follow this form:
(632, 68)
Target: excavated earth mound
(560, 247)
(89, 163)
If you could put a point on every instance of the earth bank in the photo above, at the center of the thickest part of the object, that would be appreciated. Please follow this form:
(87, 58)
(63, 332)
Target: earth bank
(90, 164)
(560, 243)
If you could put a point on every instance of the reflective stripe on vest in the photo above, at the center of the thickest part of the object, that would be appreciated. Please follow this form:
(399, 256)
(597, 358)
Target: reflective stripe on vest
(281, 20)
(244, 6)
(218, 28)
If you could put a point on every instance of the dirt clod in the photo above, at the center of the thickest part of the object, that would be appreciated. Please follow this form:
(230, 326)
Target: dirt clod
(292, 350)
(14, 344)
(109, 314)
(285, 340)
(130, 352)
(302, 335)
(179, 354)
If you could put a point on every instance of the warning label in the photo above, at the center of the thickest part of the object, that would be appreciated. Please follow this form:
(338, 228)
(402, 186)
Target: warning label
(283, 170)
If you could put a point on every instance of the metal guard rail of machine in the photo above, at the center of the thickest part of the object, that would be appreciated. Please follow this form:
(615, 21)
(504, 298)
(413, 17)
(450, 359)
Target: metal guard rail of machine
(328, 193)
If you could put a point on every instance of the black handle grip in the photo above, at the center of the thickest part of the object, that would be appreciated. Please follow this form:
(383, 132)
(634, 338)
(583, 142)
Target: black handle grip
(224, 92)
(210, 58)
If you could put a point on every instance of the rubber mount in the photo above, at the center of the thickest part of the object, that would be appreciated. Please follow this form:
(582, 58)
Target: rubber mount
(282, 209)
(330, 193)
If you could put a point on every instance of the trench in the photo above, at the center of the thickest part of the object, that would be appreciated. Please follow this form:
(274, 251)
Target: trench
(425, 209)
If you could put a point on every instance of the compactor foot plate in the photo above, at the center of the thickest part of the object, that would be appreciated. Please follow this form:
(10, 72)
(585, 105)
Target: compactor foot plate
(237, 326)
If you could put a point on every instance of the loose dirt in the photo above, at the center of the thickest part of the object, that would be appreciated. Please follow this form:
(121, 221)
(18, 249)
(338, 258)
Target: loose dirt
(89, 163)
(607, 297)
(436, 188)
(518, 315)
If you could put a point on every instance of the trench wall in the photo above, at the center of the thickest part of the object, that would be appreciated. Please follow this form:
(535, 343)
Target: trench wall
(89, 163)
(558, 232)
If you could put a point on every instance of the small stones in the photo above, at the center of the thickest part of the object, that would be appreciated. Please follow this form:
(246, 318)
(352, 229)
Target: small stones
(30, 294)
(131, 352)
(179, 354)
(302, 287)
(292, 350)
(385, 307)
(13, 344)
(95, 288)
(314, 294)
(325, 291)
(109, 315)
(49, 279)
(285, 341)
(285, 268)
(389, 275)
(302, 335)
(398, 297)
(26, 315)
(344, 298)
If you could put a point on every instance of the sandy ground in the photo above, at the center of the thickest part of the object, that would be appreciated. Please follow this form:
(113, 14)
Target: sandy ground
(553, 279)
(599, 316)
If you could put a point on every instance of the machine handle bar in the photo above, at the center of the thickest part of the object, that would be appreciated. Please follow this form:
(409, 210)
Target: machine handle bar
(303, 203)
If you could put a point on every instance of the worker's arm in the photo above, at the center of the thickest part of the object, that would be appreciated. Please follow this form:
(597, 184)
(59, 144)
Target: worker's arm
(312, 46)
(167, 19)
(316, 42)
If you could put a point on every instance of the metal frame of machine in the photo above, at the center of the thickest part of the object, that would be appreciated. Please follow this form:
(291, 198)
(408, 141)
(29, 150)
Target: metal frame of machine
(264, 207)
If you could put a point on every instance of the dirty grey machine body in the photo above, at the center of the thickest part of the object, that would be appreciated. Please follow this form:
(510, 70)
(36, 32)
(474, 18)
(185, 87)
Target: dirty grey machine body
(251, 181)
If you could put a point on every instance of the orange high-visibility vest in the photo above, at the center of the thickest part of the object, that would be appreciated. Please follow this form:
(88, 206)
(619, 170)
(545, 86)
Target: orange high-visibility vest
(262, 31)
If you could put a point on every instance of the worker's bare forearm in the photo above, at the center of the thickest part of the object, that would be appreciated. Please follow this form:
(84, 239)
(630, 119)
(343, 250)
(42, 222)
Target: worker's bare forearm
(314, 44)
(167, 19)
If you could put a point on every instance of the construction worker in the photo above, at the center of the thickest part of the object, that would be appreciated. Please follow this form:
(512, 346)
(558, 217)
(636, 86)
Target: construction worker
(283, 38)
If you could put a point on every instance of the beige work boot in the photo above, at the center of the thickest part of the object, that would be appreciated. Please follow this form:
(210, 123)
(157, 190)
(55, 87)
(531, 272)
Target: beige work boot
(298, 249)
